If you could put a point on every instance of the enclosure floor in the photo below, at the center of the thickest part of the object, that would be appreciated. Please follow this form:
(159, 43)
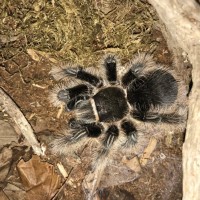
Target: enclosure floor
(27, 81)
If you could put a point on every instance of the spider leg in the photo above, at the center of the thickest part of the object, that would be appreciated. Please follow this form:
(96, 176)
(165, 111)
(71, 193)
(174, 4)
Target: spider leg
(70, 93)
(74, 124)
(76, 138)
(72, 104)
(111, 135)
(130, 131)
(136, 68)
(102, 156)
(170, 118)
(82, 74)
(111, 71)
(135, 140)
(70, 96)
(92, 130)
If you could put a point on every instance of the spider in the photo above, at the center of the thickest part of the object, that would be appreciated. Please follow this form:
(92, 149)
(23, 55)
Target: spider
(110, 102)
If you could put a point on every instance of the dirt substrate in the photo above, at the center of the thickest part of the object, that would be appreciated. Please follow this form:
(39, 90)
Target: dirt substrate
(34, 36)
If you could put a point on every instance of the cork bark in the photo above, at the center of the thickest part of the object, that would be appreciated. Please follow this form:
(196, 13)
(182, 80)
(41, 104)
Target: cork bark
(182, 23)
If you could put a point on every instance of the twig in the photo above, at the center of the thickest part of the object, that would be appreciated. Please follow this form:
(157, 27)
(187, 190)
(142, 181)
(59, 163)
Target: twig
(21, 124)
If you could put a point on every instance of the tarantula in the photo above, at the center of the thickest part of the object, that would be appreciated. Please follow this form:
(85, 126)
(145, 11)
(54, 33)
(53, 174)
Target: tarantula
(108, 101)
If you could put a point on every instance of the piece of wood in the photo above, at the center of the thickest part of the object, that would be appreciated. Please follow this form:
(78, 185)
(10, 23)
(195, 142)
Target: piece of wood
(148, 151)
(21, 125)
(182, 21)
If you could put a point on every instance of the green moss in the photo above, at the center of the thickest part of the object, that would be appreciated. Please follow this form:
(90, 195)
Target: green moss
(77, 31)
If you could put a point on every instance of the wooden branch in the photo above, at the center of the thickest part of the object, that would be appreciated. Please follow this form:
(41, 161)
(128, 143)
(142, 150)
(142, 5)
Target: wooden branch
(182, 21)
(21, 124)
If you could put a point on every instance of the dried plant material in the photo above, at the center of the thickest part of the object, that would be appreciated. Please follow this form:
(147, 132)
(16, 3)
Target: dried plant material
(39, 86)
(21, 124)
(60, 111)
(5, 162)
(5, 39)
(62, 170)
(33, 54)
(78, 30)
(133, 163)
(3, 196)
(7, 133)
(71, 182)
(169, 139)
(46, 55)
(147, 152)
(14, 193)
(38, 179)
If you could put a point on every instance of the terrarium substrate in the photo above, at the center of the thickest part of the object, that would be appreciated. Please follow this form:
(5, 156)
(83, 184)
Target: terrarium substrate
(34, 36)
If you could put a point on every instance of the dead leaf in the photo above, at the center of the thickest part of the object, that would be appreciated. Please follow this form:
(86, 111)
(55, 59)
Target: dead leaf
(47, 55)
(38, 179)
(133, 163)
(5, 162)
(33, 54)
(7, 133)
(13, 192)
(3, 196)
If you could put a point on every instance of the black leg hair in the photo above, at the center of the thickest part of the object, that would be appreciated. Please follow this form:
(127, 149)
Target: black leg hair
(71, 96)
(130, 131)
(111, 71)
(92, 130)
(111, 135)
(72, 104)
(74, 124)
(69, 143)
(79, 73)
(159, 88)
(138, 64)
(128, 78)
(70, 93)
(171, 118)
(77, 137)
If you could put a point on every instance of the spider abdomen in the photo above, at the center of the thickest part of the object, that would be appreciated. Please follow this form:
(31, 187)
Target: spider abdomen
(111, 104)
(157, 89)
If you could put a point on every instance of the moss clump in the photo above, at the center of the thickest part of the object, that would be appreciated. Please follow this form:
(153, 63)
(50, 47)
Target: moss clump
(74, 30)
